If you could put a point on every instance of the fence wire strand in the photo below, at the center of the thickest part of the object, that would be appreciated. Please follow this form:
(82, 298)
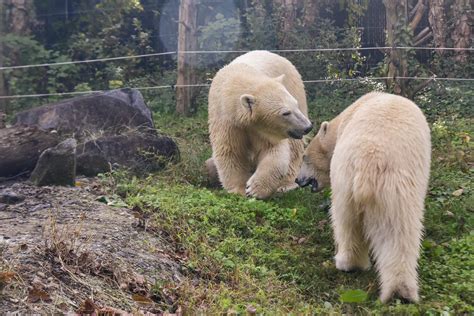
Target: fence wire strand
(75, 62)
(361, 79)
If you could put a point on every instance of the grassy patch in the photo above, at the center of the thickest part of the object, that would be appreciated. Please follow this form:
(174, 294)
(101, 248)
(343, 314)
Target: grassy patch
(275, 256)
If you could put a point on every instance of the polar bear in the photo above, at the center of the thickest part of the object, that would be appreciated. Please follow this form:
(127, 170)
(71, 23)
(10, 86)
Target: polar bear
(376, 157)
(257, 118)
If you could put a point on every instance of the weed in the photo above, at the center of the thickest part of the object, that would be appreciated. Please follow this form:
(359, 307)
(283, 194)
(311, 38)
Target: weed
(276, 256)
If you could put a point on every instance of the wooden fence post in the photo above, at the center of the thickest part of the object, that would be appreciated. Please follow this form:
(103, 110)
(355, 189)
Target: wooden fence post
(187, 41)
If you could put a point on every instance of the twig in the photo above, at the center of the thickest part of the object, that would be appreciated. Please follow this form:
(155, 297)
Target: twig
(4, 179)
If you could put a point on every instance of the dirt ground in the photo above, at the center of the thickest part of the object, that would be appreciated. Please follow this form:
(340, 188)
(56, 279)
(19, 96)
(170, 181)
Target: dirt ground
(70, 250)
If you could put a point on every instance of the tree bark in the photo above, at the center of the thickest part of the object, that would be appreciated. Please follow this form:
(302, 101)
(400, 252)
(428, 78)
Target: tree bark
(398, 18)
(462, 34)
(3, 87)
(20, 16)
(288, 10)
(187, 41)
(311, 10)
(397, 63)
(21, 146)
(437, 20)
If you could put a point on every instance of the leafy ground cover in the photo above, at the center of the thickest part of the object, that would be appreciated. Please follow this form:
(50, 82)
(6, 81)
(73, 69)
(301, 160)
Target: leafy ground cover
(275, 256)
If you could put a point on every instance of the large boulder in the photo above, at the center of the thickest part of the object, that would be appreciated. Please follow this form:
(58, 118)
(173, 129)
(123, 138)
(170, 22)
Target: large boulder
(137, 151)
(109, 112)
(20, 147)
(111, 128)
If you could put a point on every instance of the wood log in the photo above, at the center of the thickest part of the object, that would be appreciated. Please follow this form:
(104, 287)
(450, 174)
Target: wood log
(21, 146)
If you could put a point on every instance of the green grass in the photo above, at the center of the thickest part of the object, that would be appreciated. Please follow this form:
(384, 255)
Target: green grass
(276, 255)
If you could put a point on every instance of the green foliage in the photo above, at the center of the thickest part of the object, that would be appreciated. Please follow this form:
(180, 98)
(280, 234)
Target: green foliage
(353, 296)
(277, 255)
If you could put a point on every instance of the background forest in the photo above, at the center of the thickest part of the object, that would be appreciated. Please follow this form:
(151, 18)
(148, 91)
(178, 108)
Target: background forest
(51, 31)
(235, 255)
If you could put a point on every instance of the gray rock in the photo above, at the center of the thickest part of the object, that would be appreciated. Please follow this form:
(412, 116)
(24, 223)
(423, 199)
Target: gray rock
(57, 165)
(109, 112)
(10, 197)
(21, 146)
(137, 151)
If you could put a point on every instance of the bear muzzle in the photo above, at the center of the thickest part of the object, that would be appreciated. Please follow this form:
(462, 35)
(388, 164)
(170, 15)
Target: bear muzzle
(298, 134)
(304, 182)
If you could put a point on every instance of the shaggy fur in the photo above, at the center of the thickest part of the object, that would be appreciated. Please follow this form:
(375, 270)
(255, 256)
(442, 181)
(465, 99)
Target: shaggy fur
(376, 157)
(256, 103)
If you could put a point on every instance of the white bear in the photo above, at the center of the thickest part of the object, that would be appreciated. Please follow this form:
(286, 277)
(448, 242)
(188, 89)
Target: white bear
(257, 117)
(376, 157)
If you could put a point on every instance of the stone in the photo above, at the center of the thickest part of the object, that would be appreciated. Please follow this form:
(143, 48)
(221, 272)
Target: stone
(109, 112)
(137, 151)
(56, 165)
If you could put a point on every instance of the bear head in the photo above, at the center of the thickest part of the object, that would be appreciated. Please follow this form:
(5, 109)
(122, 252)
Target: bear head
(317, 159)
(274, 112)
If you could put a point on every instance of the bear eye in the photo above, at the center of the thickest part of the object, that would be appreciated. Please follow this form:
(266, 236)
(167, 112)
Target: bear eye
(286, 113)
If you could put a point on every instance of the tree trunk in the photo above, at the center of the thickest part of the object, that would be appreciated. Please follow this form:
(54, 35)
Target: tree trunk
(288, 10)
(400, 28)
(461, 36)
(397, 62)
(437, 20)
(311, 10)
(3, 87)
(187, 41)
(20, 16)
(21, 146)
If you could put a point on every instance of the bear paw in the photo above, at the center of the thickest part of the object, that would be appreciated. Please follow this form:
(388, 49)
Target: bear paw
(287, 188)
(406, 293)
(256, 190)
(348, 263)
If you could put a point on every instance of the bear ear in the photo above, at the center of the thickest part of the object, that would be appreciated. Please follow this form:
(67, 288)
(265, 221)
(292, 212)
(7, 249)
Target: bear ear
(323, 129)
(280, 78)
(248, 101)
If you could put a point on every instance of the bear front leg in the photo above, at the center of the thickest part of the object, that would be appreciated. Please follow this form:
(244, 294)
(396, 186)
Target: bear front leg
(231, 157)
(233, 173)
(271, 170)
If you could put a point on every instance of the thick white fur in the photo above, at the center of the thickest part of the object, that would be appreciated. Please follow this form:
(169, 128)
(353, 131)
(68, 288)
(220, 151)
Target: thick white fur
(251, 149)
(379, 172)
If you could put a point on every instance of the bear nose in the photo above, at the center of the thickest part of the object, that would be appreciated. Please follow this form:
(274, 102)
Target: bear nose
(309, 129)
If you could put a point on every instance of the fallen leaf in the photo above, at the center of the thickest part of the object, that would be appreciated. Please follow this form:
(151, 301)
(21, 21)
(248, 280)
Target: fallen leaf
(140, 299)
(36, 295)
(87, 307)
(353, 296)
(251, 310)
(6, 277)
(458, 192)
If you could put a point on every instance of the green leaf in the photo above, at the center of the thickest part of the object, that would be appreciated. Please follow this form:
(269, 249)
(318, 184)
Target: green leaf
(353, 296)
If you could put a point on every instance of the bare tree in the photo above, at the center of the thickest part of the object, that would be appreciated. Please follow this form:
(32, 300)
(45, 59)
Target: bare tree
(187, 41)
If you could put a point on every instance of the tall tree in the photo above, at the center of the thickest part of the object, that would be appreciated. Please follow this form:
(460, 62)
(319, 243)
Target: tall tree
(3, 87)
(437, 20)
(402, 19)
(289, 14)
(187, 41)
(462, 33)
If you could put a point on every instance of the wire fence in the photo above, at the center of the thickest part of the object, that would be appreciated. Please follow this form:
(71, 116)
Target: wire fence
(308, 50)
(171, 86)
(360, 79)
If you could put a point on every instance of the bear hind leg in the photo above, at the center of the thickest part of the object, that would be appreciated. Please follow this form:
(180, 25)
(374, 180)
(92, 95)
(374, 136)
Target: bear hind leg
(395, 240)
(352, 248)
